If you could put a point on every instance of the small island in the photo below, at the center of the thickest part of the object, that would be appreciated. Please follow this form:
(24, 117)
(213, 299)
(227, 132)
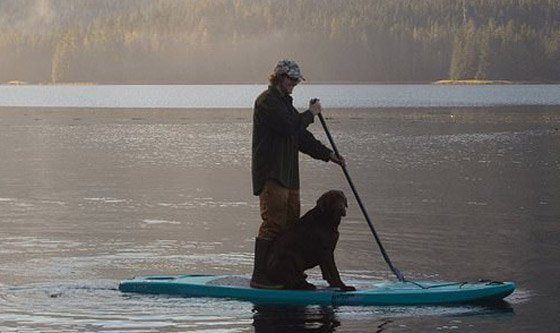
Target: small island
(473, 82)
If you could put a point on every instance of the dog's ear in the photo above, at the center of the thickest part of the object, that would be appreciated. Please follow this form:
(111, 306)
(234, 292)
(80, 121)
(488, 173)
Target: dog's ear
(345, 199)
(323, 202)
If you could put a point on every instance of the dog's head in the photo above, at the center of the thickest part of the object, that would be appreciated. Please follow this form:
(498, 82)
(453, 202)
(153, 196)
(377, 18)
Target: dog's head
(333, 203)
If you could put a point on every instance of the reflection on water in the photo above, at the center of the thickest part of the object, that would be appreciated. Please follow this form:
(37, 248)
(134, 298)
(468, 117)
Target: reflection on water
(89, 197)
(284, 318)
(276, 318)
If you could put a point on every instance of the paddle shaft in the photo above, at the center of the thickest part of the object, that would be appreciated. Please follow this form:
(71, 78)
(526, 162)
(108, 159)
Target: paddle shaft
(362, 207)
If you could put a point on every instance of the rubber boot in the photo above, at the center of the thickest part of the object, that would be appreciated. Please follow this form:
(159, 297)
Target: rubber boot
(259, 279)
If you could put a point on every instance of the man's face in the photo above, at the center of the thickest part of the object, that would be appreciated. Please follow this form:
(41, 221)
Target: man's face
(286, 84)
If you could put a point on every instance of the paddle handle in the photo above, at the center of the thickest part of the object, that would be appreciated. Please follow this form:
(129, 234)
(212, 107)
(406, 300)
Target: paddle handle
(397, 273)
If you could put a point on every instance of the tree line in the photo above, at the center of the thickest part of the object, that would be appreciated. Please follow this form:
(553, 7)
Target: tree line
(238, 41)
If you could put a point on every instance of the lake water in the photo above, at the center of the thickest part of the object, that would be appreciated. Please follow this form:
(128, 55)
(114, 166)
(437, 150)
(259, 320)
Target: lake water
(90, 196)
(242, 96)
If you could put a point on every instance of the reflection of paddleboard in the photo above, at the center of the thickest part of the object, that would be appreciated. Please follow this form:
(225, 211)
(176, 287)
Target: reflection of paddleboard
(381, 293)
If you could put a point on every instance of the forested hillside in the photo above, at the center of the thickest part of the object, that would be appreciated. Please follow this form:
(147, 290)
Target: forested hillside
(239, 41)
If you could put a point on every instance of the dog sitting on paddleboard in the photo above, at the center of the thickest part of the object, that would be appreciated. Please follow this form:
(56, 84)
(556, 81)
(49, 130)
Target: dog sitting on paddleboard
(309, 243)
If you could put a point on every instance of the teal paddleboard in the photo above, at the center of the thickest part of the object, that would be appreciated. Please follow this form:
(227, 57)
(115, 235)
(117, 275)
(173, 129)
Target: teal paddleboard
(380, 293)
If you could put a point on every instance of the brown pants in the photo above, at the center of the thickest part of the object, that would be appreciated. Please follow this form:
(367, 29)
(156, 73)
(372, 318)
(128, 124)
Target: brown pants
(280, 208)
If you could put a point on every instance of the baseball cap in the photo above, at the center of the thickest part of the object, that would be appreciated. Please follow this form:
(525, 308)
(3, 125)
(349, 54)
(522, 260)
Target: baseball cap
(289, 68)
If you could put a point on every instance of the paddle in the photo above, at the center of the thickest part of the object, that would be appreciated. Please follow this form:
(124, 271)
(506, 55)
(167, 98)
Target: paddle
(383, 252)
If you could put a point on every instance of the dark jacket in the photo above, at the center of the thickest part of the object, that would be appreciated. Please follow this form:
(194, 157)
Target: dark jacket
(279, 134)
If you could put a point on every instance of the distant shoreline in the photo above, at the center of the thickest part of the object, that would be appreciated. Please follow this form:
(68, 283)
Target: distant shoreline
(473, 82)
(487, 82)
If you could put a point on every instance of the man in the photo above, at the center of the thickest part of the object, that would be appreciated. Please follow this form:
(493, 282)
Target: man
(279, 134)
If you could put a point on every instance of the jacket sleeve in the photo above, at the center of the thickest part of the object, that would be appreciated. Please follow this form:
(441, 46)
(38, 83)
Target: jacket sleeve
(277, 116)
(309, 145)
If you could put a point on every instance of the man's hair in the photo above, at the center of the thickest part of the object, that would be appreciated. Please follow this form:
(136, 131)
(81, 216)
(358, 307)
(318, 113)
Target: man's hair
(275, 78)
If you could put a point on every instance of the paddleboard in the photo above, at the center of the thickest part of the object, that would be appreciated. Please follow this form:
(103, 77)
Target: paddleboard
(377, 293)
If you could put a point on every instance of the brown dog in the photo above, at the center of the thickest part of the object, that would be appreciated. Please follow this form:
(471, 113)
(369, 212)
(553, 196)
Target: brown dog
(309, 243)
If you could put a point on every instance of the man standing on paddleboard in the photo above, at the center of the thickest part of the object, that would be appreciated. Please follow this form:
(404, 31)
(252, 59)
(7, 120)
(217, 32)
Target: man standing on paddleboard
(279, 134)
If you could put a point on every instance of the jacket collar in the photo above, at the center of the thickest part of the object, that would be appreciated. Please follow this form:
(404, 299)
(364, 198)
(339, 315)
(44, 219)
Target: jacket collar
(278, 94)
